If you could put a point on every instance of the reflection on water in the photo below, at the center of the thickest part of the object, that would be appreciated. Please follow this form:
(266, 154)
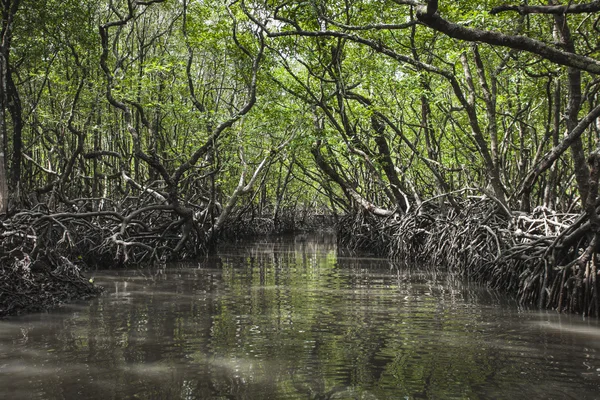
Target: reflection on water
(287, 319)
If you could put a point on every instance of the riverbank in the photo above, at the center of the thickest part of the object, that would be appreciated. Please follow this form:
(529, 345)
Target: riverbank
(29, 287)
(537, 258)
(43, 258)
(540, 258)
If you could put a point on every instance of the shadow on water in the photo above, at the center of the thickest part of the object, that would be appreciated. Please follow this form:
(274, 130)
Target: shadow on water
(287, 318)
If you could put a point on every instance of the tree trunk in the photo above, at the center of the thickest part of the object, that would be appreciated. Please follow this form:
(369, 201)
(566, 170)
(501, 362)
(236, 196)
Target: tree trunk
(9, 99)
(387, 164)
(491, 168)
(16, 113)
(550, 192)
(573, 108)
(3, 181)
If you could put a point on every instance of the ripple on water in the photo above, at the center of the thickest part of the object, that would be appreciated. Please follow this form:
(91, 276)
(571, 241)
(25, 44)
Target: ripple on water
(292, 321)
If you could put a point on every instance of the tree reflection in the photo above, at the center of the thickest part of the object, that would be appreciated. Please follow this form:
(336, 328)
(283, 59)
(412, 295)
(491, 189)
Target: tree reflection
(289, 319)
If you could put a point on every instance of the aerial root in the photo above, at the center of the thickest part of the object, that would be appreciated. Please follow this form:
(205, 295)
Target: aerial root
(543, 258)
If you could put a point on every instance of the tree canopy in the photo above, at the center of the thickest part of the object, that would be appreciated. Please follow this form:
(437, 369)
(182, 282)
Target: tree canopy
(376, 104)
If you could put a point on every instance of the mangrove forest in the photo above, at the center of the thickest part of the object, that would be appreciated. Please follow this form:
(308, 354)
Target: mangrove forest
(460, 136)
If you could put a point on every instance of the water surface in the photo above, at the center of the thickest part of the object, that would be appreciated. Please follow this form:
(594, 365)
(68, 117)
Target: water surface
(287, 319)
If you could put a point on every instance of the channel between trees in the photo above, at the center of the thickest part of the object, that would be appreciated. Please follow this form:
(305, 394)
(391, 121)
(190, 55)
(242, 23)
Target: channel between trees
(438, 134)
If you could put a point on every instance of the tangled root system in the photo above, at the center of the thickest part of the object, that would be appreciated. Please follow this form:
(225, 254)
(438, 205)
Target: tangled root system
(542, 258)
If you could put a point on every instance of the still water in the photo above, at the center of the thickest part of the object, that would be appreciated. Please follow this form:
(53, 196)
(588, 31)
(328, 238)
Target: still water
(289, 319)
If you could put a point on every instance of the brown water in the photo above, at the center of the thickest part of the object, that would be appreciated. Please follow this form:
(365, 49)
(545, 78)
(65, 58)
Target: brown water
(287, 319)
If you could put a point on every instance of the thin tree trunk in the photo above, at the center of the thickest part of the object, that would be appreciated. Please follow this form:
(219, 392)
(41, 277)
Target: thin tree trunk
(3, 149)
(9, 99)
(550, 192)
(573, 108)
(16, 113)
(3, 180)
(492, 172)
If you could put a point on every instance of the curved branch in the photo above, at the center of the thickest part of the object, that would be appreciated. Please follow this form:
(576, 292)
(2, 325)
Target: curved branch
(209, 143)
(548, 159)
(369, 27)
(591, 7)
(456, 31)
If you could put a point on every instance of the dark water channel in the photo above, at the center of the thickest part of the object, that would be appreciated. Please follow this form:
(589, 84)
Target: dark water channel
(287, 319)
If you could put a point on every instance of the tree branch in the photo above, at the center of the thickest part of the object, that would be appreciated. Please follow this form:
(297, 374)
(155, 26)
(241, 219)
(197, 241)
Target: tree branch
(591, 7)
(456, 31)
(557, 151)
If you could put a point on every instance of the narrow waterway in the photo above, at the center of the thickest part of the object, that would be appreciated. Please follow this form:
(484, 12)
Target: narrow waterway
(288, 319)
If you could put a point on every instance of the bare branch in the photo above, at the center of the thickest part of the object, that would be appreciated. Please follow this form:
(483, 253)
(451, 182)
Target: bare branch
(369, 27)
(159, 197)
(147, 3)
